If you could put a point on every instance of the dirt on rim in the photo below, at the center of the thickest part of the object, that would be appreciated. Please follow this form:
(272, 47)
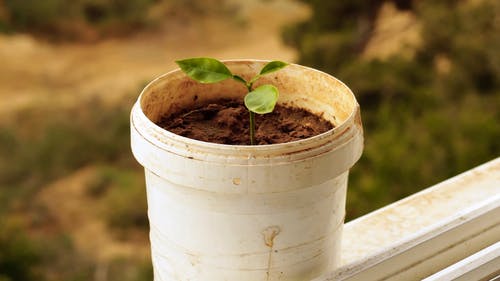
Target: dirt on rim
(227, 122)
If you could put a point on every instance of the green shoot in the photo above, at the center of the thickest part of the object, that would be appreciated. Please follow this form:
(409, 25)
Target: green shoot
(261, 100)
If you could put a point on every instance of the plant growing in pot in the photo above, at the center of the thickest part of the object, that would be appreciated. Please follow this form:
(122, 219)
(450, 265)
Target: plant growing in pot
(222, 211)
(227, 121)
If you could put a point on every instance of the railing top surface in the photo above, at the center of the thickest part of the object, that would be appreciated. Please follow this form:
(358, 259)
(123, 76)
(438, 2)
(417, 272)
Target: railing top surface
(447, 221)
(381, 228)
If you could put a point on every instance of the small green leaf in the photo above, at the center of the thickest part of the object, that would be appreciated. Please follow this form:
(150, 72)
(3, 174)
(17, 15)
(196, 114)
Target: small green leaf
(205, 70)
(262, 100)
(240, 79)
(268, 68)
(272, 66)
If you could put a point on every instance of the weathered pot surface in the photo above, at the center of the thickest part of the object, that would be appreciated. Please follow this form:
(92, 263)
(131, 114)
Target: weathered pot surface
(227, 212)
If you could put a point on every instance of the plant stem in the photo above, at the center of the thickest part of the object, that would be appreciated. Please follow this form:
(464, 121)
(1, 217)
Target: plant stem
(252, 118)
(252, 128)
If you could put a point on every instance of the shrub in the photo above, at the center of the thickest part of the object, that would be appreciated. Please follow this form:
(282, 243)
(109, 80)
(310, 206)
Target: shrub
(19, 255)
(422, 125)
(26, 14)
(123, 198)
(64, 140)
(88, 20)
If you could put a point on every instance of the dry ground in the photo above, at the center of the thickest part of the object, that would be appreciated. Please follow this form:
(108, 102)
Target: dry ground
(33, 72)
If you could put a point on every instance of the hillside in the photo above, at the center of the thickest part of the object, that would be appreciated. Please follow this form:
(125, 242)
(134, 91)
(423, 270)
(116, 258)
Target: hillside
(37, 73)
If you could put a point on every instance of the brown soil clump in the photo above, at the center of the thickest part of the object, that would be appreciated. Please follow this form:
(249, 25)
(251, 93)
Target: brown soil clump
(227, 122)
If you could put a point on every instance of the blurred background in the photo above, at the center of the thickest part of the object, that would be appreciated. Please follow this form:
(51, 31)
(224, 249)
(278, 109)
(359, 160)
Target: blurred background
(72, 198)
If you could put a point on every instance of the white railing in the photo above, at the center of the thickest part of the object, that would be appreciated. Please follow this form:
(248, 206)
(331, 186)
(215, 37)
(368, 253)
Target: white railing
(447, 232)
(483, 265)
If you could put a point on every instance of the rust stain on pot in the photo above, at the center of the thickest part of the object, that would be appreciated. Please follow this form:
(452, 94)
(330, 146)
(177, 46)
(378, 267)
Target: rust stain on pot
(341, 133)
(193, 259)
(236, 181)
(269, 234)
(357, 118)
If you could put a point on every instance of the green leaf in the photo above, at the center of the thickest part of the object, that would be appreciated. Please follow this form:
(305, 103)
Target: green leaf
(240, 79)
(262, 100)
(268, 68)
(272, 66)
(205, 70)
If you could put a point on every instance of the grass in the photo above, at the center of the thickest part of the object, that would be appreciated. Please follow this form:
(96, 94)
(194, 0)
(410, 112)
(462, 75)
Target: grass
(122, 193)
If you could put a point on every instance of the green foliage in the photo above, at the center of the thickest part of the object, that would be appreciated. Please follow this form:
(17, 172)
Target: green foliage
(268, 68)
(130, 270)
(124, 198)
(261, 100)
(335, 34)
(42, 145)
(205, 70)
(88, 20)
(271, 67)
(57, 144)
(19, 256)
(209, 70)
(100, 184)
(129, 11)
(60, 18)
(469, 39)
(34, 14)
(423, 124)
(62, 261)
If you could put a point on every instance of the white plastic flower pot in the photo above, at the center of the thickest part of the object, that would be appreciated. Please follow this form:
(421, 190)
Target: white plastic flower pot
(227, 212)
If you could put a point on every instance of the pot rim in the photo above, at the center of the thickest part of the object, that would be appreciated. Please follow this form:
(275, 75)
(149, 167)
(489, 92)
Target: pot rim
(266, 150)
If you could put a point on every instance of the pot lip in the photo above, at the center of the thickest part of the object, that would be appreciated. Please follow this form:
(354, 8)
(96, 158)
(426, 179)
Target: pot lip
(307, 143)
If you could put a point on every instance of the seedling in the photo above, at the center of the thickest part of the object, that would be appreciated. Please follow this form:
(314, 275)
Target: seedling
(260, 100)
